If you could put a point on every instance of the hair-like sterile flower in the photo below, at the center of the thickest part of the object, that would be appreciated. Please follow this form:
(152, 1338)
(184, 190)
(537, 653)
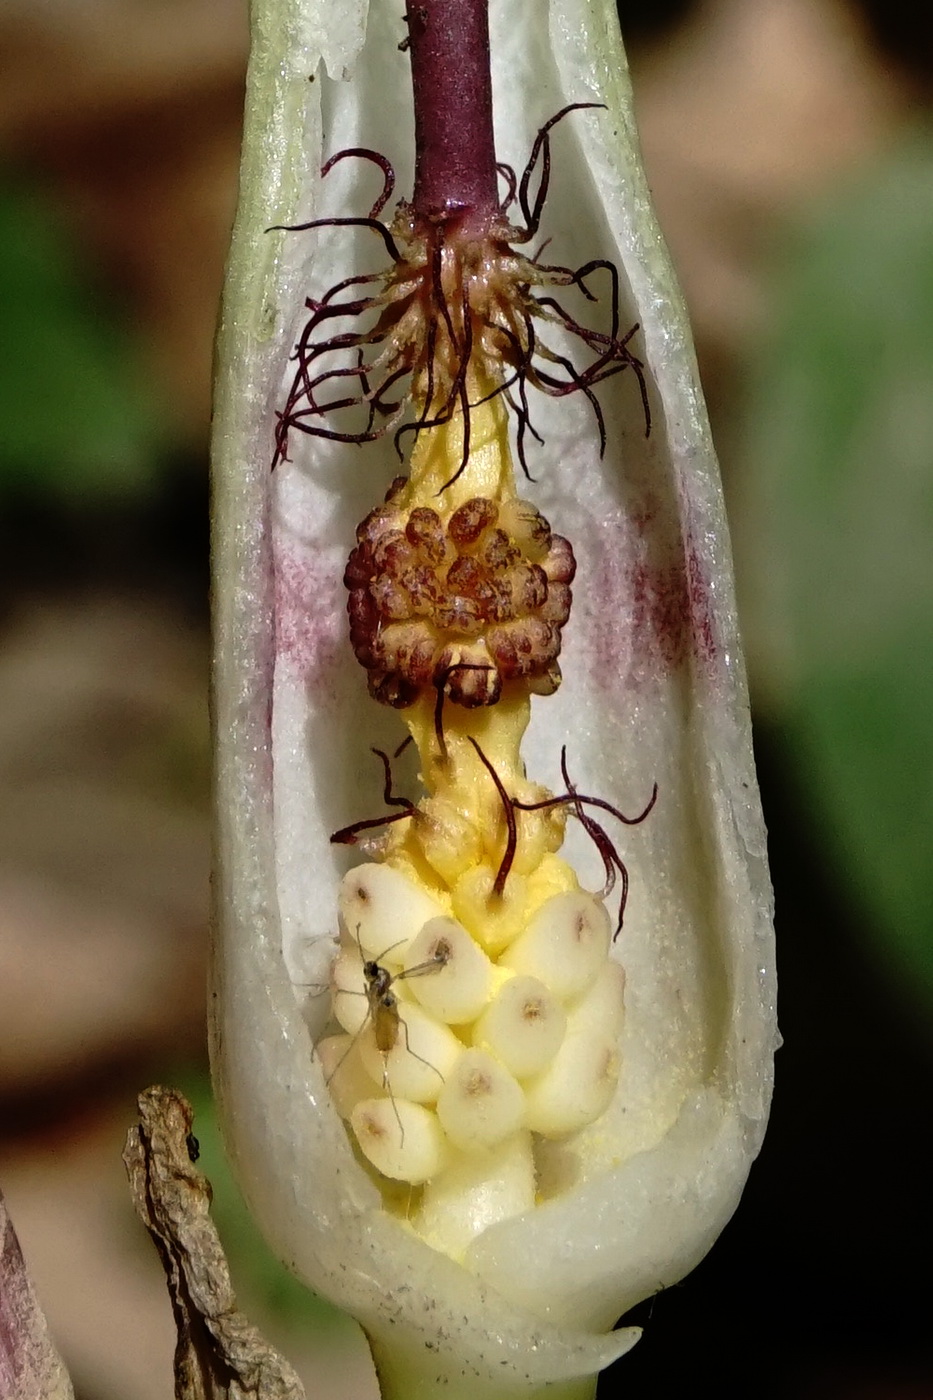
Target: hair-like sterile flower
(493, 1114)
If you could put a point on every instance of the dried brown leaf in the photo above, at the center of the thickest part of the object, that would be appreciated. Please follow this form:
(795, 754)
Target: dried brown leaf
(219, 1354)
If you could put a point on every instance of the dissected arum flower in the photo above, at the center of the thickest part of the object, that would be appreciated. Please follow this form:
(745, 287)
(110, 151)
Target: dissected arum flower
(493, 1060)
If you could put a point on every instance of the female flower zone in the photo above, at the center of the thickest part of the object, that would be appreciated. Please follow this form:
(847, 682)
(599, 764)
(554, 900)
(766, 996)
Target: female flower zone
(500, 1074)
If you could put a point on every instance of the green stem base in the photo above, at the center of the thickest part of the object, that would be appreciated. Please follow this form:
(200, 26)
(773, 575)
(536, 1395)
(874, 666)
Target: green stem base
(407, 1372)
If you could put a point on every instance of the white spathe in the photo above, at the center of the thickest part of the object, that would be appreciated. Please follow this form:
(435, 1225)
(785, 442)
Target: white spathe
(654, 691)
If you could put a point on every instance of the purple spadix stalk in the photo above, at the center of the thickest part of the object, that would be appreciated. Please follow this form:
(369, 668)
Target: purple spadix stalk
(455, 160)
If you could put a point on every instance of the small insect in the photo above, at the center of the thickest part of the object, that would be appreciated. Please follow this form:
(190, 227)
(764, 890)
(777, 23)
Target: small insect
(383, 1012)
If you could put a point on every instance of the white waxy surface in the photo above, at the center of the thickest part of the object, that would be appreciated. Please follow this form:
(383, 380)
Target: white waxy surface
(458, 989)
(523, 1026)
(476, 1190)
(401, 1139)
(576, 1087)
(480, 1104)
(565, 944)
(603, 1003)
(383, 909)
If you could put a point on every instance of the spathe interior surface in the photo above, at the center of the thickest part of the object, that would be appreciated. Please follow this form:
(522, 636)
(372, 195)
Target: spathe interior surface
(644, 700)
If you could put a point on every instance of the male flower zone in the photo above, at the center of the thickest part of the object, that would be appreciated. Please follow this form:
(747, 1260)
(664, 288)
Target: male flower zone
(501, 1074)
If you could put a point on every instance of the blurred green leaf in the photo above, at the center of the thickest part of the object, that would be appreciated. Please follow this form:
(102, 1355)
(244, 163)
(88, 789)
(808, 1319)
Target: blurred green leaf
(76, 418)
(840, 453)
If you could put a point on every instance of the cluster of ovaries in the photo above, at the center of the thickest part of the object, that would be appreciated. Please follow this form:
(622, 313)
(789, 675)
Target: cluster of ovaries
(478, 1002)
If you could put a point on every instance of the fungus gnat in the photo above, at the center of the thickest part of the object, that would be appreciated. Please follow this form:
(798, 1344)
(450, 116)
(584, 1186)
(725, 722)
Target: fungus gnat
(382, 1012)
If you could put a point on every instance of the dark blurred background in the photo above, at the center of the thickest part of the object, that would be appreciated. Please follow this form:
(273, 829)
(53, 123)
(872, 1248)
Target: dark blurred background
(789, 147)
